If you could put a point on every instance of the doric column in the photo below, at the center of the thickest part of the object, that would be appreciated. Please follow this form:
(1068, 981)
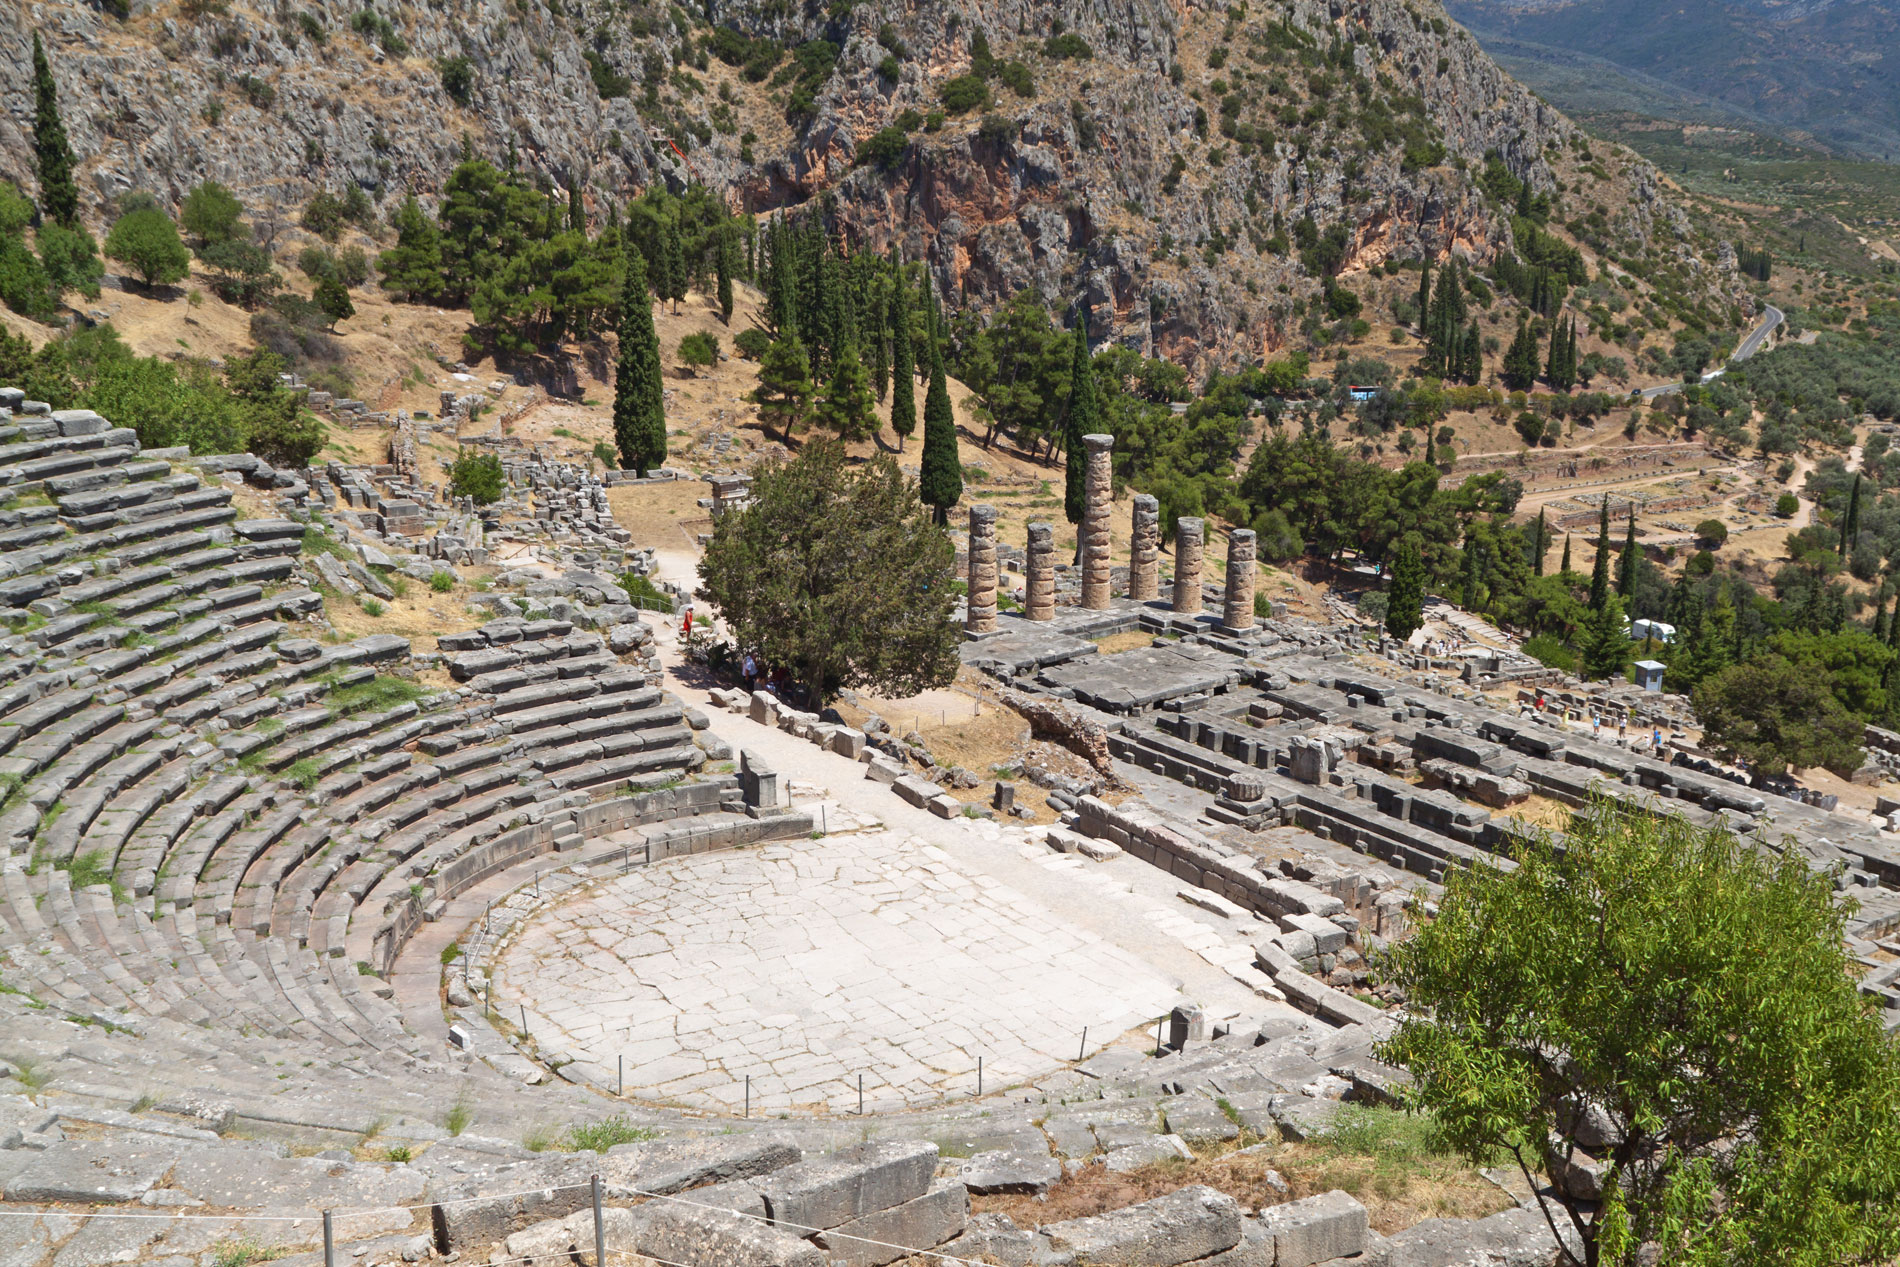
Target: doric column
(1187, 565)
(1144, 540)
(1039, 573)
(980, 614)
(1100, 496)
(1238, 613)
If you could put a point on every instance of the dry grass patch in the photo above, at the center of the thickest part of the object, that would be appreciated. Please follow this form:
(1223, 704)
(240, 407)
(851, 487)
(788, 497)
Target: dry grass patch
(1385, 1159)
(1115, 644)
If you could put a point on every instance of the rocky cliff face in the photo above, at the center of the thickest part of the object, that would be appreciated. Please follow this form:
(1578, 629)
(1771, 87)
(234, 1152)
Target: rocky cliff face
(1165, 176)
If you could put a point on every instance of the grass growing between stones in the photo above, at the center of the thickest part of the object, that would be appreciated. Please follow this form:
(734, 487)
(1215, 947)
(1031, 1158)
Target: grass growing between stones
(1386, 1159)
(1394, 1165)
(377, 695)
(240, 1253)
(598, 1137)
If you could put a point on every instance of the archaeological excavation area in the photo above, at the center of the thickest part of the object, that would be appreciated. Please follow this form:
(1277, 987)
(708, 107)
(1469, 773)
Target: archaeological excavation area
(427, 934)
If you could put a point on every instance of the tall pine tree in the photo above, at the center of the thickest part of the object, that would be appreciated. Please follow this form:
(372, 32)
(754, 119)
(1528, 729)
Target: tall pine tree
(639, 394)
(1600, 571)
(847, 407)
(722, 261)
(1564, 567)
(903, 379)
(1084, 417)
(1540, 544)
(1850, 522)
(941, 471)
(1520, 361)
(52, 155)
(1626, 565)
(1405, 594)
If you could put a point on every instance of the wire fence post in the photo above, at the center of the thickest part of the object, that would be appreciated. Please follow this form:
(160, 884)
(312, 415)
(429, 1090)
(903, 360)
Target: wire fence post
(620, 1080)
(600, 1228)
(1083, 1053)
(329, 1240)
(979, 1077)
(860, 1095)
(748, 1095)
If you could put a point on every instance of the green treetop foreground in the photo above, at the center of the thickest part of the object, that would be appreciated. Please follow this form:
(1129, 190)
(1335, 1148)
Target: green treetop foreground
(1680, 1006)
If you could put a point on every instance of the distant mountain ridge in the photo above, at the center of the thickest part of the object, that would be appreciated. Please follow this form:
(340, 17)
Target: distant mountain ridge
(1821, 70)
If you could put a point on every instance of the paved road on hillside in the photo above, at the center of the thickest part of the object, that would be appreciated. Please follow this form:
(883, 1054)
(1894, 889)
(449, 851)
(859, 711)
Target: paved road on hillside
(1771, 319)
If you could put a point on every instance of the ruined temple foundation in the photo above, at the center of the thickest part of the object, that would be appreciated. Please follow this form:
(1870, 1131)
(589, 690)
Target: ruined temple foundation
(1144, 538)
(1237, 608)
(1099, 504)
(1187, 566)
(980, 611)
(1039, 573)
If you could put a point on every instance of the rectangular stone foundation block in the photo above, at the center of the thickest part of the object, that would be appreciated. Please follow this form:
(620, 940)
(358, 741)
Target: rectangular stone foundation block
(765, 708)
(944, 805)
(914, 790)
(1184, 1225)
(826, 1192)
(925, 1223)
(1331, 1225)
(664, 1167)
(719, 1238)
(881, 769)
(847, 742)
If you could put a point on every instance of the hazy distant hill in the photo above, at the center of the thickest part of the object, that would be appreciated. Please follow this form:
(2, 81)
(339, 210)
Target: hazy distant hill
(1826, 69)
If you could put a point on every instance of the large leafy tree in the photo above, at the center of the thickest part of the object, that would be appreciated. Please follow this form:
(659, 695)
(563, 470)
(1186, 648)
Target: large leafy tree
(839, 574)
(639, 393)
(1674, 1007)
(52, 153)
(147, 241)
(412, 268)
(1775, 713)
(211, 212)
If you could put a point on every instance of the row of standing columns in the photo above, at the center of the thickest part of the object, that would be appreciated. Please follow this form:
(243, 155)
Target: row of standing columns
(1144, 571)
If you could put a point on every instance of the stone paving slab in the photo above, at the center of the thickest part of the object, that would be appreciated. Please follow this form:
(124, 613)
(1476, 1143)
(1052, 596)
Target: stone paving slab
(806, 965)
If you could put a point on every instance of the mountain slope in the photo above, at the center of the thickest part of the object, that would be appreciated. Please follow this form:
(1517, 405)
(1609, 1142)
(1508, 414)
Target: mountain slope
(1200, 177)
(1828, 71)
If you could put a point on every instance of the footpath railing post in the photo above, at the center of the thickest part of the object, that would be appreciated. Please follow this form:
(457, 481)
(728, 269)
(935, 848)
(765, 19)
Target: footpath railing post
(329, 1240)
(600, 1229)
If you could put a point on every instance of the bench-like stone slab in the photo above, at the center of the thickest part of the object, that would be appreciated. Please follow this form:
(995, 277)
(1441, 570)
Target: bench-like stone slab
(826, 1192)
(1180, 1227)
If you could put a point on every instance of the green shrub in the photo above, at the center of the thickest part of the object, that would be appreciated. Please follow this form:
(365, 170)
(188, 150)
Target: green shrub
(458, 78)
(598, 1137)
(751, 342)
(478, 475)
(1066, 46)
(699, 350)
(1547, 649)
(964, 94)
(442, 582)
(377, 695)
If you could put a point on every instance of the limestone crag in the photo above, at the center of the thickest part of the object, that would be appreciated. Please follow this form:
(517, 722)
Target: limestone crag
(1073, 191)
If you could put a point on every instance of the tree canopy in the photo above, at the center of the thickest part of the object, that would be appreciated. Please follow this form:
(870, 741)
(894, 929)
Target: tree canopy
(1677, 1008)
(839, 574)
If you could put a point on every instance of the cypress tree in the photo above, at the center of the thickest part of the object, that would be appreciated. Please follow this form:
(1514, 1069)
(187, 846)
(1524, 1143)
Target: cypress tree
(1600, 572)
(723, 264)
(1405, 596)
(1472, 370)
(1880, 620)
(576, 210)
(1425, 295)
(1626, 566)
(674, 268)
(1084, 417)
(1520, 362)
(1893, 625)
(639, 400)
(941, 473)
(52, 155)
(903, 379)
(1850, 524)
(877, 326)
(1606, 646)
(1540, 545)
(1565, 565)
